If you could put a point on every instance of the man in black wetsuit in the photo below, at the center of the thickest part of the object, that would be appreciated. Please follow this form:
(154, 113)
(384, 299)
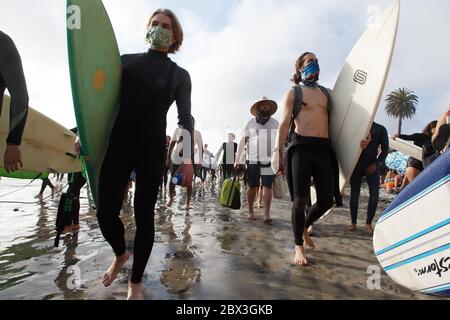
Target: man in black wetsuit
(151, 82)
(369, 165)
(12, 77)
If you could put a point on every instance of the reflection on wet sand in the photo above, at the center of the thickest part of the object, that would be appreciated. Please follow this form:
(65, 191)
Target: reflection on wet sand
(206, 252)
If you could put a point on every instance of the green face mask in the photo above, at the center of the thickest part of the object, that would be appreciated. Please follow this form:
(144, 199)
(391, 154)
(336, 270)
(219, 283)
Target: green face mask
(160, 38)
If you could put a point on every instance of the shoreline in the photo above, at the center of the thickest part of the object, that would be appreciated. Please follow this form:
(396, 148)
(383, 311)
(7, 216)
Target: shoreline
(208, 253)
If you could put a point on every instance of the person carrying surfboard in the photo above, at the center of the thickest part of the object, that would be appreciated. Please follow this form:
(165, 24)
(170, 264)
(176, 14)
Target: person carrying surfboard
(310, 153)
(369, 165)
(13, 79)
(422, 140)
(150, 84)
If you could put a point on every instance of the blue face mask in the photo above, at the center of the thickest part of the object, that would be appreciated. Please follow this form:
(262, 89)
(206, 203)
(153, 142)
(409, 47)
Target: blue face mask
(310, 74)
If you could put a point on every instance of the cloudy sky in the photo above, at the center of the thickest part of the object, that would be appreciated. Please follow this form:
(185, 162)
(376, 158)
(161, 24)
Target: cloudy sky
(239, 50)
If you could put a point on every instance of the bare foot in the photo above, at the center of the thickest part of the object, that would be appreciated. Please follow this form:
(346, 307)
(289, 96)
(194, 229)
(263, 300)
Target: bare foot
(300, 258)
(135, 291)
(169, 203)
(114, 269)
(76, 228)
(310, 230)
(251, 216)
(369, 228)
(38, 196)
(351, 227)
(67, 229)
(308, 240)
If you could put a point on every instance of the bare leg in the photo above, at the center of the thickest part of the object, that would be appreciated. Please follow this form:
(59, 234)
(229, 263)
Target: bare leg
(188, 197)
(171, 195)
(251, 195)
(410, 175)
(267, 197)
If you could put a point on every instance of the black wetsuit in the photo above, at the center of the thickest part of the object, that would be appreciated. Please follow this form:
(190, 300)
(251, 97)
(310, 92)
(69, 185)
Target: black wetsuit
(369, 156)
(309, 157)
(12, 77)
(165, 173)
(76, 183)
(423, 141)
(227, 159)
(151, 82)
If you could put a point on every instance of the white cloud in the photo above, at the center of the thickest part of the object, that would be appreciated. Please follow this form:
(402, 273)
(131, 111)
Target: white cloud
(238, 51)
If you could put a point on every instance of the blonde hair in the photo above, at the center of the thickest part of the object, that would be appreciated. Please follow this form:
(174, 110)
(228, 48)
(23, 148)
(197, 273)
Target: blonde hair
(176, 28)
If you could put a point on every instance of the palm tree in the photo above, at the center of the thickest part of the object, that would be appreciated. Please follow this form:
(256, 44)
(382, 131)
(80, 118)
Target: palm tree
(401, 104)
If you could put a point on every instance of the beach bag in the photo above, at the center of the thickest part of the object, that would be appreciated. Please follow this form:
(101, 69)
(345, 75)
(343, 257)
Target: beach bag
(230, 195)
(67, 206)
(280, 189)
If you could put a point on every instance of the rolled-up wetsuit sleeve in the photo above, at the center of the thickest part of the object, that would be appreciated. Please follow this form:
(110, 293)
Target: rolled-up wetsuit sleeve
(184, 105)
(12, 73)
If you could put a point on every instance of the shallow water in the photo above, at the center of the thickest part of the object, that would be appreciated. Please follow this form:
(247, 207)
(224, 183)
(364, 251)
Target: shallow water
(208, 252)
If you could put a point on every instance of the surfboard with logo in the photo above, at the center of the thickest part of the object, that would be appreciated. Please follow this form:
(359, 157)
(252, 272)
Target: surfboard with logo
(412, 237)
(94, 62)
(359, 88)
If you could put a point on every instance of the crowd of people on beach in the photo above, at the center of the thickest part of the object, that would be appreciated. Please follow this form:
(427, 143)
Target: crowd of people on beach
(140, 150)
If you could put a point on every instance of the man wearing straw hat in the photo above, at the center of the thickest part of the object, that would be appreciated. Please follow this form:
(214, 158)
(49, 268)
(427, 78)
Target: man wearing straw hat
(260, 132)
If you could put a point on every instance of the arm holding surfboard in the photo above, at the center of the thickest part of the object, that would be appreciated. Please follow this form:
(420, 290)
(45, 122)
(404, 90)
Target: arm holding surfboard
(442, 134)
(12, 77)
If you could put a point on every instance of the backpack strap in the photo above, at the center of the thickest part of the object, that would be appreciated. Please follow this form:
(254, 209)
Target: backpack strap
(327, 93)
(298, 103)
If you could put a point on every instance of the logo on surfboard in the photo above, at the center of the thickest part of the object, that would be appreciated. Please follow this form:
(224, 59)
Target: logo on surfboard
(436, 267)
(360, 77)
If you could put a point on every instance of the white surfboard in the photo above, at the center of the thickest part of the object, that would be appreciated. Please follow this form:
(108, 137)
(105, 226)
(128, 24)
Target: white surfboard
(45, 143)
(406, 148)
(412, 237)
(358, 90)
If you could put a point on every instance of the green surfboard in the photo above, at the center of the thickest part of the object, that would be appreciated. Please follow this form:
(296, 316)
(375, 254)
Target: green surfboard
(94, 62)
(26, 175)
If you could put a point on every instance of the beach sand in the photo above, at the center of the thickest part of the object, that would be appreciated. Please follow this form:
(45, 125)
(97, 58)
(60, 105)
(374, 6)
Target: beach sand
(208, 252)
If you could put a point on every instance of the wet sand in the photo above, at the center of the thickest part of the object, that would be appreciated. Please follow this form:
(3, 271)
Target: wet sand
(208, 252)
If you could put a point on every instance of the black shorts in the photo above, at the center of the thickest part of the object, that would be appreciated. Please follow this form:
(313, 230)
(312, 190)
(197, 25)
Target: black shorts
(414, 163)
(173, 169)
(259, 173)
